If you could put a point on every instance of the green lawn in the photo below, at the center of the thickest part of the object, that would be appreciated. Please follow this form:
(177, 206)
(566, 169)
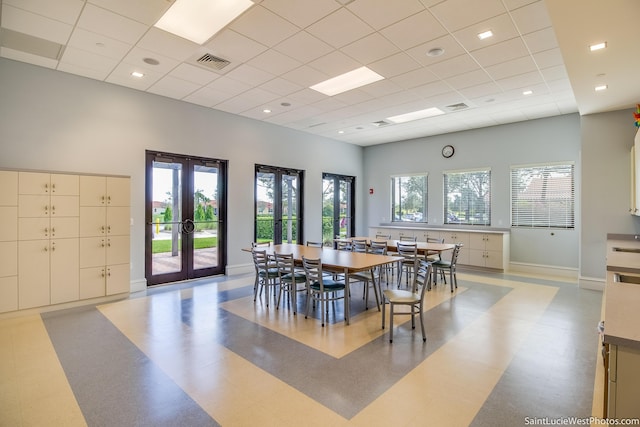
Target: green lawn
(164, 245)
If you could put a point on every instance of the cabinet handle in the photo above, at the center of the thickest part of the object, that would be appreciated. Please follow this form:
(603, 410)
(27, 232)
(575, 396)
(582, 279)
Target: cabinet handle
(46, 188)
(53, 210)
(108, 272)
(102, 199)
(108, 200)
(102, 273)
(53, 188)
(53, 246)
(102, 229)
(46, 232)
(108, 243)
(102, 243)
(46, 248)
(108, 229)
(53, 231)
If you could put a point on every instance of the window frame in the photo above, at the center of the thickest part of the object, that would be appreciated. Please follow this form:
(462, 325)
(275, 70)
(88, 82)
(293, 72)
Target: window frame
(485, 220)
(425, 198)
(544, 217)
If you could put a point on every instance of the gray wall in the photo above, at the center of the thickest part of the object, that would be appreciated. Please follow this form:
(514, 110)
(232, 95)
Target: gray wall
(60, 122)
(555, 139)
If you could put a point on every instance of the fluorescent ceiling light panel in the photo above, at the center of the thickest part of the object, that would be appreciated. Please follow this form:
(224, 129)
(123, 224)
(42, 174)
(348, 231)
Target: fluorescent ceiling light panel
(485, 35)
(199, 20)
(416, 115)
(347, 81)
(601, 87)
(597, 46)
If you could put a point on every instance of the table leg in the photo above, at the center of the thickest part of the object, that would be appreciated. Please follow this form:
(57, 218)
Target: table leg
(347, 298)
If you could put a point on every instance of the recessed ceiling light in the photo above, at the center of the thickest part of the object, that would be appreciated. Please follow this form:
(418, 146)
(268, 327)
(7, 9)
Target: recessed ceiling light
(347, 81)
(137, 74)
(436, 51)
(199, 20)
(266, 110)
(527, 92)
(597, 46)
(416, 115)
(601, 87)
(485, 34)
(340, 132)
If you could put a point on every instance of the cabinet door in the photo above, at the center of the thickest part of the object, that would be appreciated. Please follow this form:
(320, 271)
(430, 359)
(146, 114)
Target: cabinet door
(33, 228)
(118, 279)
(118, 191)
(65, 185)
(8, 294)
(117, 220)
(477, 257)
(93, 221)
(8, 188)
(93, 190)
(33, 274)
(8, 259)
(65, 206)
(92, 251)
(34, 183)
(493, 259)
(33, 206)
(92, 282)
(118, 250)
(64, 269)
(8, 223)
(64, 228)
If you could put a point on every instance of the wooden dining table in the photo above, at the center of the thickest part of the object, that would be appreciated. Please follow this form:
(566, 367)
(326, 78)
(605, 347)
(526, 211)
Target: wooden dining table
(392, 245)
(335, 261)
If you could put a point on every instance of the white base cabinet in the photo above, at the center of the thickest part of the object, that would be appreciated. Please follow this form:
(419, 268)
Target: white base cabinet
(43, 224)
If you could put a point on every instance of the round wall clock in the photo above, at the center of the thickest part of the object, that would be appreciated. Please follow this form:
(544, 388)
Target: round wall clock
(447, 151)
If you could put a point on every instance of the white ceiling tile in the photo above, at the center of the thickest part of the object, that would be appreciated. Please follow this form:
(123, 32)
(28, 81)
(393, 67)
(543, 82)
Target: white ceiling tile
(252, 76)
(548, 58)
(121, 75)
(228, 86)
(481, 92)
(85, 59)
(78, 70)
(146, 11)
(502, 27)
(98, 44)
(521, 81)
(450, 46)
(381, 88)
(370, 48)
(207, 97)
(458, 65)
(260, 24)
(558, 72)
(432, 89)
(274, 62)
(173, 87)
(27, 57)
(193, 74)
(281, 86)
(457, 14)
(137, 55)
(167, 44)
(351, 28)
(36, 25)
(424, 27)
(412, 79)
(382, 13)
(511, 68)
(306, 96)
(473, 78)
(109, 24)
(394, 65)
(303, 47)
(305, 76)
(234, 46)
(500, 52)
(538, 41)
(532, 17)
(514, 4)
(66, 11)
(258, 96)
(354, 96)
(334, 64)
(301, 13)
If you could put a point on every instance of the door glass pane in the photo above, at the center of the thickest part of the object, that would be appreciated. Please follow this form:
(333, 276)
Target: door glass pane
(327, 211)
(205, 217)
(289, 208)
(167, 215)
(345, 208)
(265, 184)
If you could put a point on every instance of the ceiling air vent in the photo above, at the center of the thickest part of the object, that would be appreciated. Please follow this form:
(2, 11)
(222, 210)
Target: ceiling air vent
(457, 107)
(381, 123)
(212, 61)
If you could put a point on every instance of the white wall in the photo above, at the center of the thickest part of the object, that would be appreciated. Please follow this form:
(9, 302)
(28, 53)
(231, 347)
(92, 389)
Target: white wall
(60, 122)
(555, 139)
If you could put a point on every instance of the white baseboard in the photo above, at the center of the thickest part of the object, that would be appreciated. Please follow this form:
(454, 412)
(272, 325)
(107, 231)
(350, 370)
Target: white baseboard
(593, 283)
(138, 285)
(544, 270)
(233, 270)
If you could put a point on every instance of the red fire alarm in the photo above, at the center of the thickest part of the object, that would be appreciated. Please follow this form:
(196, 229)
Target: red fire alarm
(371, 191)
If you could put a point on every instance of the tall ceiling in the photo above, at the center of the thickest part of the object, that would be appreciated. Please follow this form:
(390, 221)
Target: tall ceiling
(278, 48)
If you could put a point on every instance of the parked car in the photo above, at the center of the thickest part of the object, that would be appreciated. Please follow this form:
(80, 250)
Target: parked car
(452, 218)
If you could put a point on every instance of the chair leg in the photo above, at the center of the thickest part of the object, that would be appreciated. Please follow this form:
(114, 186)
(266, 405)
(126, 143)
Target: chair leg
(390, 322)
(383, 311)
(451, 276)
(424, 335)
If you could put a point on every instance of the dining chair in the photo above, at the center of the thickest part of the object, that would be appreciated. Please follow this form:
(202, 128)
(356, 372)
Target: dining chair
(380, 236)
(260, 244)
(442, 265)
(359, 245)
(289, 277)
(369, 278)
(413, 298)
(409, 263)
(266, 274)
(434, 256)
(323, 289)
(408, 239)
(380, 247)
(314, 244)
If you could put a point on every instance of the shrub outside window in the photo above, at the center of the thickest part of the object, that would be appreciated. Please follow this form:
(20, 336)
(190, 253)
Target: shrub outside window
(409, 198)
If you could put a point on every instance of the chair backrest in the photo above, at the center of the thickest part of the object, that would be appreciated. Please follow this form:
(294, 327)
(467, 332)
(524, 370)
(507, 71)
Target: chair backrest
(407, 249)
(378, 247)
(314, 244)
(455, 253)
(313, 271)
(383, 236)
(343, 246)
(434, 240)
(260, 260)
(285, 264)
(260, 244)
(359, 245)
(408, 239)
(422, 278)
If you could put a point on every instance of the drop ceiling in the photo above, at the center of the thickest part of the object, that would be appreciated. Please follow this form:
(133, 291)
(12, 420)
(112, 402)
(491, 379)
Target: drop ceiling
(267, 59)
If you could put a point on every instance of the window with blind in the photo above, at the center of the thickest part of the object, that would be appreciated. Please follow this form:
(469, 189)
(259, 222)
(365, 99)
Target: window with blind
(543, 196)
(467, 196)
(409, 198)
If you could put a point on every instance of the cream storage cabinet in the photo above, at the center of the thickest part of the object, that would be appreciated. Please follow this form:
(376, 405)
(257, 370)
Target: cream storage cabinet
(487, 250)
(41, 238)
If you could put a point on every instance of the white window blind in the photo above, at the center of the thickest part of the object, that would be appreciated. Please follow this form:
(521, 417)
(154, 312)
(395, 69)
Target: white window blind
(543, 196)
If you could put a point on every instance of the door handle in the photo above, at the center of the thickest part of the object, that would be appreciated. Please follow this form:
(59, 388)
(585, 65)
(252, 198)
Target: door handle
(188, 226)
